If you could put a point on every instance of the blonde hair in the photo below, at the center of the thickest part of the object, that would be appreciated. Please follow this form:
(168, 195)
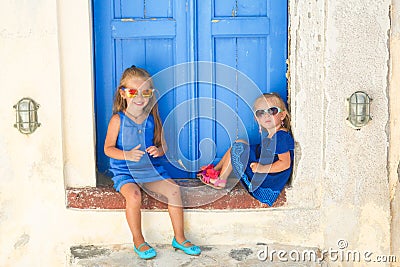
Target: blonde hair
(277, 101)
(120, 103)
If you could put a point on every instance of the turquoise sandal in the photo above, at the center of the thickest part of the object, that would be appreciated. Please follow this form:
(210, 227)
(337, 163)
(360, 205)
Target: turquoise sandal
(147, 254)
(192, 250)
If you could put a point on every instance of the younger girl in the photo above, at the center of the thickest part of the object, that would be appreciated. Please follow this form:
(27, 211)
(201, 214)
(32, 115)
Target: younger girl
(263, 169)
(134, 143)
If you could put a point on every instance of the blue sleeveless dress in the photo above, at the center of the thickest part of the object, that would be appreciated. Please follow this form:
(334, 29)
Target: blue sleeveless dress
(264, 187)
(147, 169)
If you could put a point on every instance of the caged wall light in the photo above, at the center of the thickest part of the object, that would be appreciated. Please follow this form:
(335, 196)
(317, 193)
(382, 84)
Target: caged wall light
(26, 119)
(359, 109)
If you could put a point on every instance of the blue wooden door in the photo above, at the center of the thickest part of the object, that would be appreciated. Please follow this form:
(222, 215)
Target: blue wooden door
(247, 37)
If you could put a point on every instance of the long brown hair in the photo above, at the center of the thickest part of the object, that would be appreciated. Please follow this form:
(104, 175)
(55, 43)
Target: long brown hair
(120, 103)
(278, 101)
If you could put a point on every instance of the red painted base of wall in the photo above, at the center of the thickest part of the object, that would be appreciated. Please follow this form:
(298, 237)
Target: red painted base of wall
(108, 198)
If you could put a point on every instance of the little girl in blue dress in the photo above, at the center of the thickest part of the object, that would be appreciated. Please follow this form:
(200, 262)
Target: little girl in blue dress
(263, 169)
(134, 143)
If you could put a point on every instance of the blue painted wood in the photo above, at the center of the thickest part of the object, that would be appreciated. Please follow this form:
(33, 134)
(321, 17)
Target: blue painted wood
(225, 130)
(249, 52)
(149, 34)
(240, 8)
(224, 8)
(104, 75)
(277, 53)
(206, 109)
(159, 8)
(128, 9)
(248, 36)
(254, 8)
(242, 26)
(132, 28)
(251, 37)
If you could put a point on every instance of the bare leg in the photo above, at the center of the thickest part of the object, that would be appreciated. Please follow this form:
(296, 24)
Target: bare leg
(133, 198)
(225, 166)
(171, 191)
(226, 158)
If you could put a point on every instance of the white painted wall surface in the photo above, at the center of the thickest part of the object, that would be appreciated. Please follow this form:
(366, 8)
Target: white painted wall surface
(31, 183)
(340, 188)
(394, 111)
(356, 191)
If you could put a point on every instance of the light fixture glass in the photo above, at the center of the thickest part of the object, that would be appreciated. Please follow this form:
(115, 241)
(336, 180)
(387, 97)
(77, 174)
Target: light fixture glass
(26, 119)
(359, 109)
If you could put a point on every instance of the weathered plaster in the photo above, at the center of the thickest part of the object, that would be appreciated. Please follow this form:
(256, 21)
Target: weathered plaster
(394, 111)
(355, 176)
(306, 63)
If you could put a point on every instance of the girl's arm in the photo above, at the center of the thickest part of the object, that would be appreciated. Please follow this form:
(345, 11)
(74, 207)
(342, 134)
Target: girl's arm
(111, 139)
(283, 163)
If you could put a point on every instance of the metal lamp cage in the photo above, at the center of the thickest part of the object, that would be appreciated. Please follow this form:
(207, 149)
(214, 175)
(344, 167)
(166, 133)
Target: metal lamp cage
(26, 120)
(359, 109)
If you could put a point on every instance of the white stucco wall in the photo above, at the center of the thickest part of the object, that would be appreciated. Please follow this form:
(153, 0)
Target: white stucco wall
(31, 182)
(340, 188)
(356, 192)
(394, 152)
(75, 42)
(337, 48)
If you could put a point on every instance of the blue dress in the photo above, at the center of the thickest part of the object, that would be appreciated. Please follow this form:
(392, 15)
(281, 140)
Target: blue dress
(147, 169)
(265, 187)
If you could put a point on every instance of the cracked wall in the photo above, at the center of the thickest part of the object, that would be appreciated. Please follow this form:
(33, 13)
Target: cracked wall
(338, 48)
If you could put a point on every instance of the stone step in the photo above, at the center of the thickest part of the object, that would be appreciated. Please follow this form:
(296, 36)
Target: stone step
(212, 256)
(195, 195)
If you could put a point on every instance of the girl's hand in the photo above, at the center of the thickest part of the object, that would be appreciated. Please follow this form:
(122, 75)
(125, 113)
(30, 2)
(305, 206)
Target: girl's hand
(258, 168)
(254, 166)
(135, 154)
(154, 151)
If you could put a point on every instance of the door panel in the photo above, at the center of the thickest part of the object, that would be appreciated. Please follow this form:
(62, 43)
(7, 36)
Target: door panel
(144, 9)
(249, 37)
(150, 34)
(242, 8)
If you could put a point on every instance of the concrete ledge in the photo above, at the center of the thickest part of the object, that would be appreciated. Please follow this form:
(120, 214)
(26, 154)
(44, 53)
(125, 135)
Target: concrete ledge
(107, 198)
(245, 255)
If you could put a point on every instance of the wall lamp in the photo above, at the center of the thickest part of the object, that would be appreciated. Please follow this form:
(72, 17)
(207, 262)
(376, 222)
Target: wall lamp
(26, 119)
(359, 109)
